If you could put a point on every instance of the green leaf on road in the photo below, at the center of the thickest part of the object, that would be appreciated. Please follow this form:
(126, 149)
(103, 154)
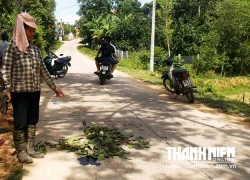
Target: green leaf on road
(101, 157)
(101, 142)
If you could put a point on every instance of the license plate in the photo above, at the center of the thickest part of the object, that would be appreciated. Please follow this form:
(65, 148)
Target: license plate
(187, 82)
(105, 68)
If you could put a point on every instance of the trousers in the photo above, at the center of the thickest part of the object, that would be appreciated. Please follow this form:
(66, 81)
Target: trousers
(25, 109)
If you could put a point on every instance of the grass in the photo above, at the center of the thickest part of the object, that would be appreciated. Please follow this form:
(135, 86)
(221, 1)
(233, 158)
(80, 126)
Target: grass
(85, 50)
(225, 93)
(221, 93)
(231, 94)
(17, 173)
(56, 46)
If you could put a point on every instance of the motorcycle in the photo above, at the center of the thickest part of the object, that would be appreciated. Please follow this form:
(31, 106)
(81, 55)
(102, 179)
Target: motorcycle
(60, 64)
(178, 80)
(105, 68)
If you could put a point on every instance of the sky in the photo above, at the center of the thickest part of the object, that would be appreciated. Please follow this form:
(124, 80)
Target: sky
(66, 10)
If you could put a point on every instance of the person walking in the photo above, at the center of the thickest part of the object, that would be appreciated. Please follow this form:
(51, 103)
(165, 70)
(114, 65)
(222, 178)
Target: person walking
(3, 46)
(23, 72)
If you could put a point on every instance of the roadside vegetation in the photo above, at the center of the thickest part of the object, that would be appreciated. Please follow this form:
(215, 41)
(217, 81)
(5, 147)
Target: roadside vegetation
(230, 94)
(56, 46)
(214, 34)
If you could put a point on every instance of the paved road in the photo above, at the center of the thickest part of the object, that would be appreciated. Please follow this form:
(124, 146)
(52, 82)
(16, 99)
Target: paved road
(134, 106)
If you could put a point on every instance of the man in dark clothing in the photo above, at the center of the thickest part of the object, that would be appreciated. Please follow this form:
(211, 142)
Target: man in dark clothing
(3, 46)
(107, 51)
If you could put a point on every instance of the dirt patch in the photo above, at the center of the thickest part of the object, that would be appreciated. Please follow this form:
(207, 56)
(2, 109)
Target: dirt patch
(8, 160)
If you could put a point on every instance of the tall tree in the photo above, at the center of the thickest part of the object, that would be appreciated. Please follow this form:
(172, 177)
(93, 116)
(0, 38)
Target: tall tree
(90, 11)
(226, 47)
(164, 22)
(189, 23)
(233, 27)
(8, 15)
(123, 19)
(42, 10)
(132, 31)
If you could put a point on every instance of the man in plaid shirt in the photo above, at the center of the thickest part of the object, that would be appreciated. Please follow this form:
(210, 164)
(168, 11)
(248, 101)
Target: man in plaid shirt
(23, 72)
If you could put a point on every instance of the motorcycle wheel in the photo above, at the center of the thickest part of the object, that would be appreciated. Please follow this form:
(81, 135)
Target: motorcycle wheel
(190, 95)
(102, 78)
(168, 85)
(62, 72)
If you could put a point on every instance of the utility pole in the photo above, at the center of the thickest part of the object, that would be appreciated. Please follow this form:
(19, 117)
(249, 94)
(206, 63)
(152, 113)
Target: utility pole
(152, 38)
(61, 31)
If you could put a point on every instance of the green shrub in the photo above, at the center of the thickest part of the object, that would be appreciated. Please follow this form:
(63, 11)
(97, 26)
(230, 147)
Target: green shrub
(86, 50)
(132, 62)
(141, 59)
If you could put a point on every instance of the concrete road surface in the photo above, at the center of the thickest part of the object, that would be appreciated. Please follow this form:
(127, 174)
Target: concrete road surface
(145, 110)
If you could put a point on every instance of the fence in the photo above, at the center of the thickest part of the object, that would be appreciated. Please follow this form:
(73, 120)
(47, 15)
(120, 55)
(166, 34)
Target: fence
(187, 59)
(122, 54)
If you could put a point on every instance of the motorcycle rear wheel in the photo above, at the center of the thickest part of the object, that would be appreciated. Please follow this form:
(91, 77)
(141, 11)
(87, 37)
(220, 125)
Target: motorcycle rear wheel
(168, 85)
(102, 78)
(62, 72)
(190, 95)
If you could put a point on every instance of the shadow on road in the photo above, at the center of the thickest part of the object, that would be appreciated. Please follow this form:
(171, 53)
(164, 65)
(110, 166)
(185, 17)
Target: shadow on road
(146, 112)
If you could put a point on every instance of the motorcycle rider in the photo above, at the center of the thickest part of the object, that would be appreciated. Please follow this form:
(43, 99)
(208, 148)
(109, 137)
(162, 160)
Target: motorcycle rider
(108, 52)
